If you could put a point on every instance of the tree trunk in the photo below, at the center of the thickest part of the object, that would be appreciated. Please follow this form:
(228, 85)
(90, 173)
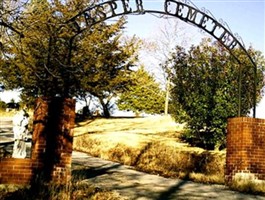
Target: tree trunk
(105, 107)
(106, 112)
(167, 97)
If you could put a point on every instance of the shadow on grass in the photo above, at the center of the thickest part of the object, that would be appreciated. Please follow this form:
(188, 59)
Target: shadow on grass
(92, 172)
(80, 122)
(143, 150)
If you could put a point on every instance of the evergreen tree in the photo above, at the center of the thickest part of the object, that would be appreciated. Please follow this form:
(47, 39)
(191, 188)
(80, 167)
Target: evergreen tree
(53, 60)
(106, 65)
(144, 95)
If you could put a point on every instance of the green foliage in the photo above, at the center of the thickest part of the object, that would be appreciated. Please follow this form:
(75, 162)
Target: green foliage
(27, 101)
(105, 59)
(206, 90)
(2, 105)
(144, 95)
(53, 60)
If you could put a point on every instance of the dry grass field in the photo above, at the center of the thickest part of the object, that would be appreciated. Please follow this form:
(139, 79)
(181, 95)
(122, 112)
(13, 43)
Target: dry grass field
(150, 144)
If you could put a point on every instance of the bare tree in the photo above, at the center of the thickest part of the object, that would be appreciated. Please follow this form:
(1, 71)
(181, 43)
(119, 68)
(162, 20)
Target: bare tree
(171, 32)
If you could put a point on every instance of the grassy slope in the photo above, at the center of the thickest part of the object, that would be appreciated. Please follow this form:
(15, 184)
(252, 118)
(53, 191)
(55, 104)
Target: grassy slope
(150, 144)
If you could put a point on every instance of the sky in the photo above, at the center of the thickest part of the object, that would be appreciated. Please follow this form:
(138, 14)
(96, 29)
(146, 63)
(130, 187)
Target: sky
(244, 17)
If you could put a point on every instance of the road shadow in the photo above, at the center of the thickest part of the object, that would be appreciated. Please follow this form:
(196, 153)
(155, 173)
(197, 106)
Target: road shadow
(171, 192)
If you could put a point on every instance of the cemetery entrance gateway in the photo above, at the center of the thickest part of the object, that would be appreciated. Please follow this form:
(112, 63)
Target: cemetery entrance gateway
(244, 134)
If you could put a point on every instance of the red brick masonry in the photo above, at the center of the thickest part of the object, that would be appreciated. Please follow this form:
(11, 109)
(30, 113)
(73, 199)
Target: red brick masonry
(245, 157)
(51, 145)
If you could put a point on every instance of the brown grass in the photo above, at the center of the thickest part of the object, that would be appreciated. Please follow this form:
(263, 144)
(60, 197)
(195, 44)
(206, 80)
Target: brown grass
(151, 145)
(248, 186)
(3, 113)
(77, 191)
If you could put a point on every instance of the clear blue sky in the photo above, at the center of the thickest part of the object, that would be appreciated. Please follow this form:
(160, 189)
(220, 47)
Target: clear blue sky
(245, 17)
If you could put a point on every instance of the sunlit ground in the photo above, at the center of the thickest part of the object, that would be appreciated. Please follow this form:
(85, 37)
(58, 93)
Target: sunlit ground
(150, 144)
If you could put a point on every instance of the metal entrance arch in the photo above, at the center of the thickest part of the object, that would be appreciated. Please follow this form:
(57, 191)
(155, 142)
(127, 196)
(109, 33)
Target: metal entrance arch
(185, 10)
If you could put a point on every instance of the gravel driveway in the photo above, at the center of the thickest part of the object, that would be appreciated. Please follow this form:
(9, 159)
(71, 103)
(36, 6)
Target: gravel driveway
(141, 186)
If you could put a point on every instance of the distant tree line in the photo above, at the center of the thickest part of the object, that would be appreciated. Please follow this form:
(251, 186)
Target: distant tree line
(12, 105)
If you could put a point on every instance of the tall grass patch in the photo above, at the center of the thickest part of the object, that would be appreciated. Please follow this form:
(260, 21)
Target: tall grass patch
(157, 155)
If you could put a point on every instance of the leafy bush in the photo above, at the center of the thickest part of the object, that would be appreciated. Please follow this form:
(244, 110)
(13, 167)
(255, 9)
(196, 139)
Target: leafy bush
(207, 139)
(206, 90)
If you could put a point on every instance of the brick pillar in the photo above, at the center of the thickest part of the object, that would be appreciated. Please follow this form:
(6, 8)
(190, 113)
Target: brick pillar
(52, 139)
(245, 157)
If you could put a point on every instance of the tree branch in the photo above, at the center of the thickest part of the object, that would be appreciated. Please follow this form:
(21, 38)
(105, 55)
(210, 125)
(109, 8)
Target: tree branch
(2, 23)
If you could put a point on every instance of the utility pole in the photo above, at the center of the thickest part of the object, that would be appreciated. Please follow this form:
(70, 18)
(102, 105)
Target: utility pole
(167, 96)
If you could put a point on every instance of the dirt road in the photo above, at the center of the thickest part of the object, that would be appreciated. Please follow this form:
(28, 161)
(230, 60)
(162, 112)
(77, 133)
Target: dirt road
(141, 186)
(6, 133)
